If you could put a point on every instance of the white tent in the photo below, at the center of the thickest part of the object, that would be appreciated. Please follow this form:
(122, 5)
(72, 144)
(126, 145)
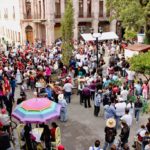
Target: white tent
(101, 37)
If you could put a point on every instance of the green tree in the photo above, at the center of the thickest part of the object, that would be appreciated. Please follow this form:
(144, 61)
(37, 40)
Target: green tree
(67, 32)
(133, 14)
(141, 64)
(130, 34)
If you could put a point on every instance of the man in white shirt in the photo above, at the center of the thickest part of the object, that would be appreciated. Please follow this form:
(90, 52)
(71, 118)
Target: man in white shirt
(131, 75)
(120, 110)
(124, 94)
(96, 146)
(68, 90)
(127, 117)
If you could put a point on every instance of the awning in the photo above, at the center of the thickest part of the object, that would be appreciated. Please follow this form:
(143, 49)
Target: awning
(104, 36)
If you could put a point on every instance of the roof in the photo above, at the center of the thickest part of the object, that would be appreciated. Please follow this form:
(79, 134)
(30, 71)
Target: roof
(101, 37)
(138, 47)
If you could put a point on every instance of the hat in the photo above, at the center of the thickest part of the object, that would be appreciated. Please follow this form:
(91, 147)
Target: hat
(100, 91)
(61, 147)
(3, 111)
(60, 97)
(111, 123)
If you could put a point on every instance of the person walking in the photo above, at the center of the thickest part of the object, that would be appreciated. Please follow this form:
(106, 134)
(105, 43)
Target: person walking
(137, 108)
(46, 137)
(96, 146)
(63, 112)
(110, 133)
(124, 135)
(120, 110)
(127, 117)
(97, 102)
(145, 90)
(86, 96)
(68, 90)
(80, 88)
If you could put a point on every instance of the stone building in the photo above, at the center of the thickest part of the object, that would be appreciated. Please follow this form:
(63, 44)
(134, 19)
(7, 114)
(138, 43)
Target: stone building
(22, 20)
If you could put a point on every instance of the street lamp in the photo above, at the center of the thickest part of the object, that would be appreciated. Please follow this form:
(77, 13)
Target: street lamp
(96, 41)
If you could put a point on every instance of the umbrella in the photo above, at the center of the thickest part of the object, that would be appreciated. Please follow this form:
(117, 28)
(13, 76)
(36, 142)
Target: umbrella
(36, 110)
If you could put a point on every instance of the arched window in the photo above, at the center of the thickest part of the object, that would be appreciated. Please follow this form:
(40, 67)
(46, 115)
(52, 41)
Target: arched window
(29, 34)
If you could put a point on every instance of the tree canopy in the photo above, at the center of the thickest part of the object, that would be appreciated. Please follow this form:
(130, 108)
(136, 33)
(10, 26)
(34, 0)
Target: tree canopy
(133, 14)
(141, 64)
(67, 32)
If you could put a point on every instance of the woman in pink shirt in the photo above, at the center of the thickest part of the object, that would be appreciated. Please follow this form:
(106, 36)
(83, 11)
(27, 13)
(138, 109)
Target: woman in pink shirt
(47, 73)
(145, 90)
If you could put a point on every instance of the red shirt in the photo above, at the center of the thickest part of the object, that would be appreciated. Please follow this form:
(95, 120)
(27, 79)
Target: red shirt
(53, 130)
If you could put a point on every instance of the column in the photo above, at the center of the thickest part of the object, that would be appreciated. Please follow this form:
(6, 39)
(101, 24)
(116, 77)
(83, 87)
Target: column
(23, 35)
(113, 25)
(33, 8)
(62, 7)
(76, 12)
(21, 6)
(95, 10)
(50, 5)
(85, 8)
(35, 30)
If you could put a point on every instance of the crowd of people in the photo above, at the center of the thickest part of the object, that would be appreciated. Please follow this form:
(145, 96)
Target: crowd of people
(110, 84)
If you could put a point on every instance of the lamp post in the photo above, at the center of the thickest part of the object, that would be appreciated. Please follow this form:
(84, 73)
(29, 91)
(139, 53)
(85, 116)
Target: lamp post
(96, 41)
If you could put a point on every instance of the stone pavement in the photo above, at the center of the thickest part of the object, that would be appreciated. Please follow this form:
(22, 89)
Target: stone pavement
(82, 128)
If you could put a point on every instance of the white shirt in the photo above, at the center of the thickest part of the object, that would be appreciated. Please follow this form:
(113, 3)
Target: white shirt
(120, 108)
(4, 118)
(95, 148)
(128, 119)
(68, 87)
(124, 94)
(130, 75)
(131, 108)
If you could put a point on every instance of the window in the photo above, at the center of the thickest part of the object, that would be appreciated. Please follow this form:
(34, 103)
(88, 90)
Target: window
(57, 9)
(5, 13)
(101, 8)
(80, 8)
(13, 12)
(28, 9)
(89, 8)
(40, 9)
(43, 8)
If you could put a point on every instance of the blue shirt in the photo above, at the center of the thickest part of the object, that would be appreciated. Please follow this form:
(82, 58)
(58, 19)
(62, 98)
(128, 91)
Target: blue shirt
(49, 92)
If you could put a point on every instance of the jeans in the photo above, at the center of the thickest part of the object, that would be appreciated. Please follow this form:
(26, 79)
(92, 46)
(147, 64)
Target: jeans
(13, 91)
(106, 144)
(137, 114)
(81, 99)
(96, 110)
(92, 95)
(63, 114)
(117, 121)
(86, 100)
(68, 96)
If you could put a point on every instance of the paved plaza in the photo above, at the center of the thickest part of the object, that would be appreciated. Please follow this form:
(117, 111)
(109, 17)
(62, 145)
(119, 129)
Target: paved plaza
(82, 128)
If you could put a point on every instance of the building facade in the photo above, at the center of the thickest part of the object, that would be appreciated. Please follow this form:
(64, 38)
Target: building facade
(22, 20)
